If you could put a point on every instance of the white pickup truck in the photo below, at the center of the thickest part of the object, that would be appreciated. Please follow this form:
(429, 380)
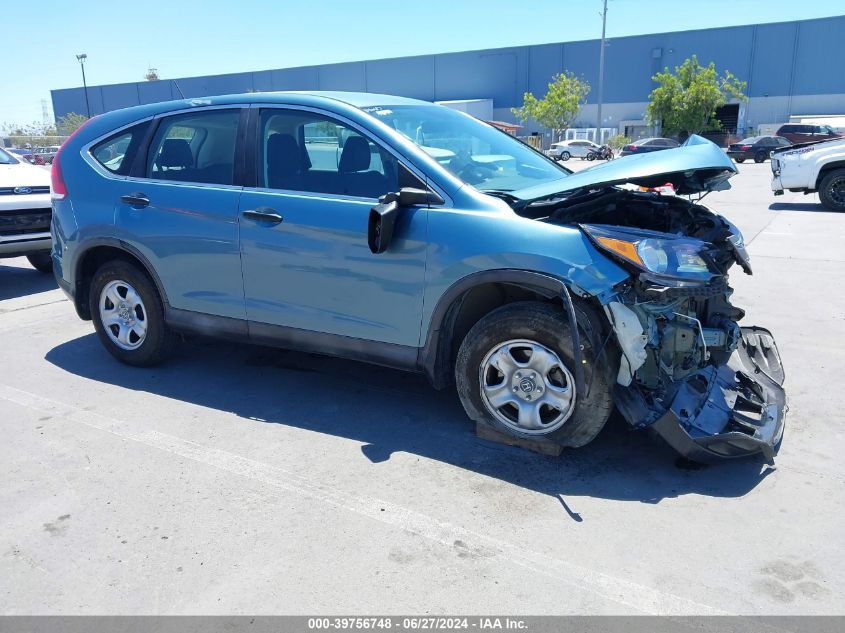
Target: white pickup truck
(811, 167)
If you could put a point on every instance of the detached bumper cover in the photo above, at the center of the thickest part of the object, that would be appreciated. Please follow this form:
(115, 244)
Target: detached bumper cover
(733, 410)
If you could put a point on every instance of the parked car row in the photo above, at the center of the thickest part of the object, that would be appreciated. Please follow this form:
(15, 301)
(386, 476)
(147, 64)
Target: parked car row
(35, 155)
(756, 148)
(28, 155)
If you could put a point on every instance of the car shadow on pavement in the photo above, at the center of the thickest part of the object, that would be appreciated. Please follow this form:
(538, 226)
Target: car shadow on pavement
(20, 282)
(392, 411)
(814, 207)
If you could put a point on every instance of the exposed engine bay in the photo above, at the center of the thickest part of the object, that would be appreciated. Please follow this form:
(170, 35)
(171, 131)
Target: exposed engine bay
(687, 369)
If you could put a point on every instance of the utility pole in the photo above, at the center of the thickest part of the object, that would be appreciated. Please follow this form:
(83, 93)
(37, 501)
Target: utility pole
(601, 72)
(81, 59)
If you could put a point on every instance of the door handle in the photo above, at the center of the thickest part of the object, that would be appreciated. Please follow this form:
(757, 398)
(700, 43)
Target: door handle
(263, 214)
(135, 200)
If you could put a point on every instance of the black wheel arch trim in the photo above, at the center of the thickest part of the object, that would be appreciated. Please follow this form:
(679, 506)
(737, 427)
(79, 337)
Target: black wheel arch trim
(432, 356)
(116, 243)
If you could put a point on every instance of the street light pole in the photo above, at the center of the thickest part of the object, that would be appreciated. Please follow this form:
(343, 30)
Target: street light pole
(601, 72)
(81, 59)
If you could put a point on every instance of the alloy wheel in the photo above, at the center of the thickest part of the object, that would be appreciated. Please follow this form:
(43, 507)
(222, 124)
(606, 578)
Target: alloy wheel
(836, 191)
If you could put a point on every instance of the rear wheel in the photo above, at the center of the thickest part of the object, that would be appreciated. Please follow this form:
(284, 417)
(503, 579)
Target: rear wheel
(565, 155)
(760, 157)
(739, 160)
(515, 372)
(42, 261)
(832, 190)
(128, 315)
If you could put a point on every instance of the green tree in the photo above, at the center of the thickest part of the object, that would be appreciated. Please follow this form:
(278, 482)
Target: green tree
(567, 93)
(618, 141)
(69, 123)
(686, 101)
(35, 128)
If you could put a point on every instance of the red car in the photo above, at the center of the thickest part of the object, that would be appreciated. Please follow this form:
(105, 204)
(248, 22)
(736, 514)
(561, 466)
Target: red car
(805, 133)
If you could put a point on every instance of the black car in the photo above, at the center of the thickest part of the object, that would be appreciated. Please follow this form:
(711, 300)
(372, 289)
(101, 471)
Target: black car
(756, 147)
(648, 145)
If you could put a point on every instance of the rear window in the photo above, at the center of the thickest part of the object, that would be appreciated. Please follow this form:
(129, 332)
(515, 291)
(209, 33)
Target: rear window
(117, 152)
(196, 147)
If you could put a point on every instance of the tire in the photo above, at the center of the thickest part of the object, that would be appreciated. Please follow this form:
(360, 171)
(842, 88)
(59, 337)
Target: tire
(760, 157)
(547, 327)
(832, 190)
(157, 342)
(590, 157)
(739, 160)
(565, 156)
(41, 261)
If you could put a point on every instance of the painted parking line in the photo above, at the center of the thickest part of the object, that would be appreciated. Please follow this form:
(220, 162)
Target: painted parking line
(635, 596)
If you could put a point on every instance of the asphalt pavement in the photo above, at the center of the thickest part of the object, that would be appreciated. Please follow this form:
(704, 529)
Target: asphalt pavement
(238, 479)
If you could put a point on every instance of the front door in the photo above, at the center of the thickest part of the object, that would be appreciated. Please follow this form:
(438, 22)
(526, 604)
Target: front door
(303, 234)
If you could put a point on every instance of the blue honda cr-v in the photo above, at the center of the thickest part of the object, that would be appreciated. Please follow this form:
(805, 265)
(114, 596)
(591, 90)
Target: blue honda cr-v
(402, 233)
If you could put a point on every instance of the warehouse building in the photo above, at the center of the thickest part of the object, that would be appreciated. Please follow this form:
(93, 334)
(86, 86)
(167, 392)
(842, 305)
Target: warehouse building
(792, 68)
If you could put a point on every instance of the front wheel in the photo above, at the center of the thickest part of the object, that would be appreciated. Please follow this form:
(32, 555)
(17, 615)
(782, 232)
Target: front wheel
(832, 190)
(760, 157)
(41, 261)
(515, 372)
(128, 315)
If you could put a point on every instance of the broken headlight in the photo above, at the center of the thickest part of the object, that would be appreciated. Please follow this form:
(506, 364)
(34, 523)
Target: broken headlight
(737, 242)
(665, 255)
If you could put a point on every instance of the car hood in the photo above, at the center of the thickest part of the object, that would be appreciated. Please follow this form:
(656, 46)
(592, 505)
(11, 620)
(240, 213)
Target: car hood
(24, 175)
(696, 166)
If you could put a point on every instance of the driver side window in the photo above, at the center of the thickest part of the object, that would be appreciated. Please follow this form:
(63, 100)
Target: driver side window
(309, 152)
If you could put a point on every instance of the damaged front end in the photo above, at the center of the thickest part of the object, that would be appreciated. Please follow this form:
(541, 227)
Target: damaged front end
(710, 388)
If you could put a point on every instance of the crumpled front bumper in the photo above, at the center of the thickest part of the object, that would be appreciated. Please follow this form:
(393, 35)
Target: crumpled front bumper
(732, 410)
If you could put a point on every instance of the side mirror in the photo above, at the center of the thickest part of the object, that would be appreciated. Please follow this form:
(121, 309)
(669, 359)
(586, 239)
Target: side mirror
(383, 216)
(382, 222)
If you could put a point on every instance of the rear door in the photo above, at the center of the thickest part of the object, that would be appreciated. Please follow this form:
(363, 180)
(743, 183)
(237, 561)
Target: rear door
(306, 260)
(180, 210)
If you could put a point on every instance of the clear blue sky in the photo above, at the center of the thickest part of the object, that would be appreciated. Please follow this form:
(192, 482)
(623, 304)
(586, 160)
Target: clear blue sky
(199, 37)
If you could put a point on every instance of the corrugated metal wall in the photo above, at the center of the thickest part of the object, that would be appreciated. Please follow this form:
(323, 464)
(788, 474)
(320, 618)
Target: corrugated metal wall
(785, 64)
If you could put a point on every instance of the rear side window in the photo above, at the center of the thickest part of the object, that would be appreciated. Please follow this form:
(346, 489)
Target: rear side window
(117, 152)
(196, 147)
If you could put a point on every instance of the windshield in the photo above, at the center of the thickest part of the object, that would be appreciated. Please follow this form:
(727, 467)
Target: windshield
(7, 159)
(475, 152)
